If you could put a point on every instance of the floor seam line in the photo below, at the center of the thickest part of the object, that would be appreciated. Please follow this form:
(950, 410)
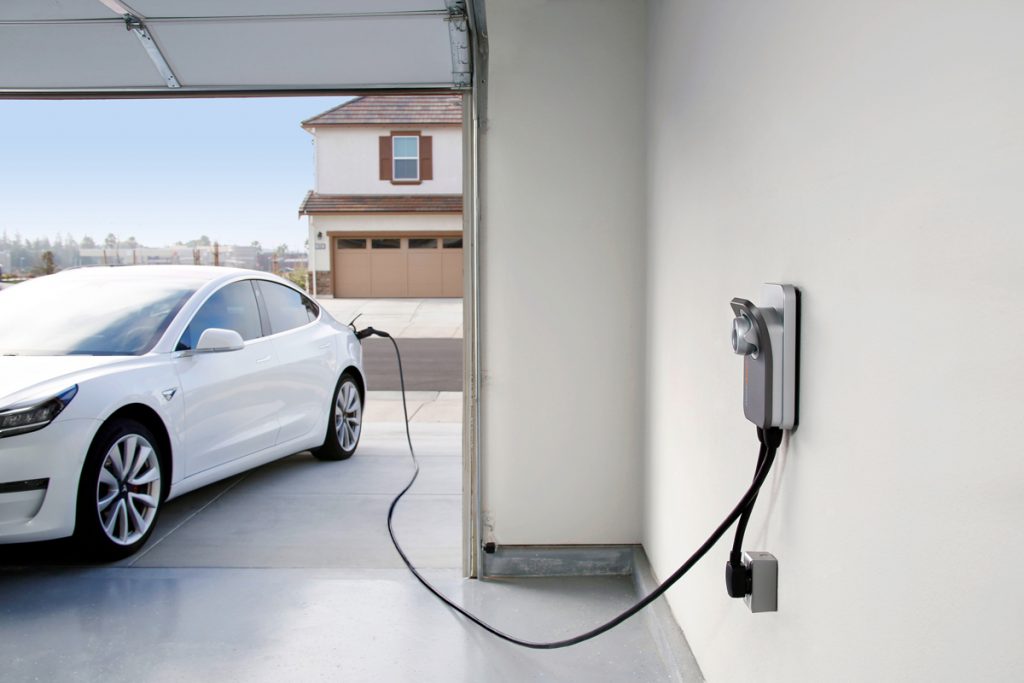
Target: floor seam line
(188, 519)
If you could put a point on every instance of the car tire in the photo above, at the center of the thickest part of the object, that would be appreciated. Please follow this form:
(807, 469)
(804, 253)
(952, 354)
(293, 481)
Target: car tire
(121, 491)
(344, 422)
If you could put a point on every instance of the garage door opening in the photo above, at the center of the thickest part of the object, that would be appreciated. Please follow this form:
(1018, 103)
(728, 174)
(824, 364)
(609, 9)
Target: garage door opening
(218, 185)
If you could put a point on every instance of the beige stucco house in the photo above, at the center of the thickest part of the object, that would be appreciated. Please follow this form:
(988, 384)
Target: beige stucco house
(385, 215)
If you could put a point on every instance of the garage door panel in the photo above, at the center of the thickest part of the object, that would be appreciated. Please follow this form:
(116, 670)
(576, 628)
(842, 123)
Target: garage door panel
(425, 273)
(451, 268)
(352, 274)
(389, 273)
(53, 47)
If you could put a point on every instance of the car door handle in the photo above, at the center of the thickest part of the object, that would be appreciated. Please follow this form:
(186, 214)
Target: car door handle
(325, 345)
(263, 360)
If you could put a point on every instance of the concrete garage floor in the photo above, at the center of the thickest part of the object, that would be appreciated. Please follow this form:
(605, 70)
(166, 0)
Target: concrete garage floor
(286, 573)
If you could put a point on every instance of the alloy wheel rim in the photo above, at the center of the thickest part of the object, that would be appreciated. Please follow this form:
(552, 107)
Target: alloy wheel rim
(348, 413)
(128, 490)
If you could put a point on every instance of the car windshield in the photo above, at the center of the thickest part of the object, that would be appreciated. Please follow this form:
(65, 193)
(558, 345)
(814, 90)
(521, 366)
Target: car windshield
(92, 315)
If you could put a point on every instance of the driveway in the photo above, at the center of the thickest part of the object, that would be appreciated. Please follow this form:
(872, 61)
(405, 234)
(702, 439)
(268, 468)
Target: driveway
(402, 318)
(429, 335)
(429, 364)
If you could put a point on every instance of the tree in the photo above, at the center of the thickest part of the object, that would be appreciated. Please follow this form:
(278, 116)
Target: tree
(48, 267)
(87, 242)
(131, 243)
(111, 241)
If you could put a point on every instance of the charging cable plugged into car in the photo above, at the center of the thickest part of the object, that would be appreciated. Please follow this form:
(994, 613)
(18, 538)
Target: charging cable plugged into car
(767, 336)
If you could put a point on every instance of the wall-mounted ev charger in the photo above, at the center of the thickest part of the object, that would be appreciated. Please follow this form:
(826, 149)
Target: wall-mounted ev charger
(768, 338)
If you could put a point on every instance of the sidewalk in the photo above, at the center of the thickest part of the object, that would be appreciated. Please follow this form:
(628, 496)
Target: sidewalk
(424, 406)
(422, 318)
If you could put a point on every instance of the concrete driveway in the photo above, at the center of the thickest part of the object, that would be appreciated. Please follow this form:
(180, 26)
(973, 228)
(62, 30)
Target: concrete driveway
(423, 318)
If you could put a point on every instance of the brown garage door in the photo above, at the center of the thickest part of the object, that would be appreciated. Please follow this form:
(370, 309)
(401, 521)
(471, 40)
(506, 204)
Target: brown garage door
(385, 266)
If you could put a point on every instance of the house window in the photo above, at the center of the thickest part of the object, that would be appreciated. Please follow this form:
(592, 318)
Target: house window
(406, 157)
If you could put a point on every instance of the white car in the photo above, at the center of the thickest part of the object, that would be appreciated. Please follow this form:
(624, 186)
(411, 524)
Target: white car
(124, 387)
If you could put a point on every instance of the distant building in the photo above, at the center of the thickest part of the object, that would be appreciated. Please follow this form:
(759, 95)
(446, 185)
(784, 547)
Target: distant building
(385, 214)
(100, 256)
(238, 256)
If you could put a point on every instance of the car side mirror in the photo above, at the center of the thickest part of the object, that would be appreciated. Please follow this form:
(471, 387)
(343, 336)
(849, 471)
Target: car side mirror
(215, 340)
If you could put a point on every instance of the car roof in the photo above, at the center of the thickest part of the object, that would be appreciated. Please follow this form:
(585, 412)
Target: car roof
(192, 275)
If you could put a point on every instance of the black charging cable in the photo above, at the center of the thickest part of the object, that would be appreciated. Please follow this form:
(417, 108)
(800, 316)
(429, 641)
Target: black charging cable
(738, 580)
(765, 459)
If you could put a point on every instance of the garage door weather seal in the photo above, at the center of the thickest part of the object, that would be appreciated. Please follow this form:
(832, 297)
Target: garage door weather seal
(770, 440)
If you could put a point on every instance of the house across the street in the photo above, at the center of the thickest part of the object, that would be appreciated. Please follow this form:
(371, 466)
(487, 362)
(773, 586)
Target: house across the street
(385, 215)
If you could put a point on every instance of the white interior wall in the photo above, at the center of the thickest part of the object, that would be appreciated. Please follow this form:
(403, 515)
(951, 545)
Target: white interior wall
(871, 153)
(561, 272)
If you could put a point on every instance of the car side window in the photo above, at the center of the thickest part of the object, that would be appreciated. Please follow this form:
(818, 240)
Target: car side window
(286, 308)
(232, 307)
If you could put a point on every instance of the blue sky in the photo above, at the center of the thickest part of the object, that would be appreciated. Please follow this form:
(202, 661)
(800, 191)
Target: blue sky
(159, 170)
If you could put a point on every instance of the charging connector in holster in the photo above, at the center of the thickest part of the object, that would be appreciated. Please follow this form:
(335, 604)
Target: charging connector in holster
(369, 332)
(737, 577)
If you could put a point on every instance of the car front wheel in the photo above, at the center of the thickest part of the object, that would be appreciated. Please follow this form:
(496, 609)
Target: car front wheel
(120, 491)
(345, 423)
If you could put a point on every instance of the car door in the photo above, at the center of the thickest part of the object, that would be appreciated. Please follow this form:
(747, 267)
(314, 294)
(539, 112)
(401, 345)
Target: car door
(307, 366)
(230, 410)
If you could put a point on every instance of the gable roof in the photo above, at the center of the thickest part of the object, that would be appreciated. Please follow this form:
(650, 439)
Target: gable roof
(445, 109)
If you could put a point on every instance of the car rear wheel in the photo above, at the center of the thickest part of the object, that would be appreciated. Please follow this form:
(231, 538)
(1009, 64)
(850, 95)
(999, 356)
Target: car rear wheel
(346, 421)
(120, 492)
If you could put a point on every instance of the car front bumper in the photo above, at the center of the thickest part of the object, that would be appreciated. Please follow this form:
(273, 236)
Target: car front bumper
(39, 474)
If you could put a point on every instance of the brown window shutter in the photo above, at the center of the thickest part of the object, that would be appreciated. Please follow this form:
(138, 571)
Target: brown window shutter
(426, 157)
(385, 157)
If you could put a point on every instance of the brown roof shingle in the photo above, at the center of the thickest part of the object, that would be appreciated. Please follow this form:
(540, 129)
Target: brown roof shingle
(382, 203)
(389, 109)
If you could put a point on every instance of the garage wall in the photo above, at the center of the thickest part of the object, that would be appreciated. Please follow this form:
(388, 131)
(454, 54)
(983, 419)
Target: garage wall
(871, 153)
(440, 222)
(562, 282)
(347, 160)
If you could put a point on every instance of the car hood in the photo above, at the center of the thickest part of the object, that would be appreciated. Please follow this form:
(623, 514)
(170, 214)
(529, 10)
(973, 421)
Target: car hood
(31, 377)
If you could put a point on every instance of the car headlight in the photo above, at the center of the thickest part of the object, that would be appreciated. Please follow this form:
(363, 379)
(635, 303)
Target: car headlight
(28, 418)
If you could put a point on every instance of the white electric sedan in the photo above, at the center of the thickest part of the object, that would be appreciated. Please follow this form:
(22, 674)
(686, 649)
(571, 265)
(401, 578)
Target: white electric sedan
(123, 387)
